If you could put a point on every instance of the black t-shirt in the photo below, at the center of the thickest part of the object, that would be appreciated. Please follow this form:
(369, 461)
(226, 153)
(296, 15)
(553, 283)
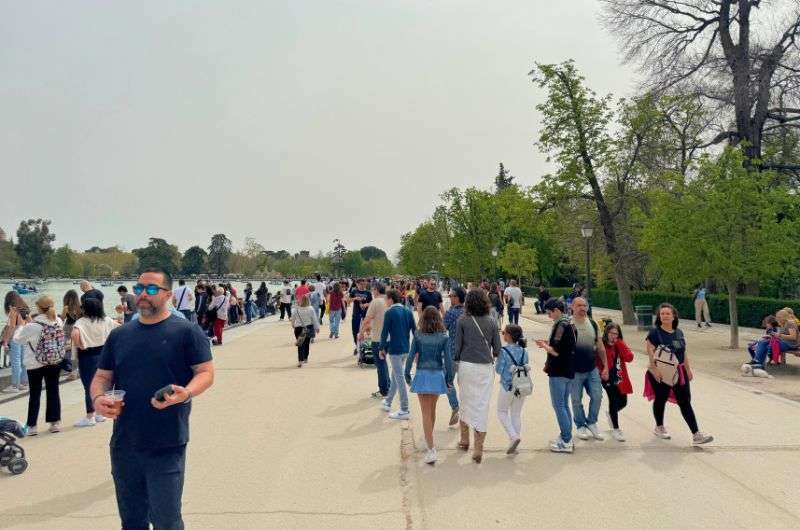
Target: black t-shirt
(674, 341)
(430, 298)
(562, 339)
(144, 358)
(92, 293)
(367, 298)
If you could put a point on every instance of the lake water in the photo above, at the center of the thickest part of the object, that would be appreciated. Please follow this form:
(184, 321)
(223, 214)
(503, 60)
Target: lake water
(57, 289)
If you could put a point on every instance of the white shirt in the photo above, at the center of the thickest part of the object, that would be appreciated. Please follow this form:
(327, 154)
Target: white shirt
(286, 294)
(95, 332)
(515, 293)
(187, 302)
(320, 287)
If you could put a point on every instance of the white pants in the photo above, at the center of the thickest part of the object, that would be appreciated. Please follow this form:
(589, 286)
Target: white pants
(509, 412)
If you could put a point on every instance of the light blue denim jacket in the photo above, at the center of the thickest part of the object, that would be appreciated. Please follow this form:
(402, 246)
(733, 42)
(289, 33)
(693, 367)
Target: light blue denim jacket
(433, 355)
(504, 363)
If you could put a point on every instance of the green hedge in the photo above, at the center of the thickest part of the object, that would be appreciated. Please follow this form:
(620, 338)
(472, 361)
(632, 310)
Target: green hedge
(752, 309)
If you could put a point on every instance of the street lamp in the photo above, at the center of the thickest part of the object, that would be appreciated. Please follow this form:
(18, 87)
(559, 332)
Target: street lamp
(494, 259)
(586, 231)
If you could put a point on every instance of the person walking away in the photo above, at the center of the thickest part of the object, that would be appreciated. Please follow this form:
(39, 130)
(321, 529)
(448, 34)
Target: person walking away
(457, 297)
(88, 336)
(666, 341)
(17, 315)
(201, 301)
(183, 300)
(89, 291)
(335, 307)
(220, 305)
(398, 327)
(371, 326)
(509, 405)
(541, 299)
(43, 349)
(286, 299)
(590, 371)
(560, 369)
(434, 372)
(148, 445)
(701, 309)
(315, 298)
(70, 313)
(430, 297)
(301, 290)
(322, 288)
(477, 344)
(514, 300)
(360, 297)
(262, 297)
(305, 323)
(618, 384)
(496, 301)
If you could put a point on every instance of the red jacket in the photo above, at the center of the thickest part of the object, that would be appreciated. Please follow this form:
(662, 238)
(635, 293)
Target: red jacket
(625, 356)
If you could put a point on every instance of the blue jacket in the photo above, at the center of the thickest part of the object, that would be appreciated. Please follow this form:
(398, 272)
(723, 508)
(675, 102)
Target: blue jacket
(504, 363)
(433, 355)
(451, 323)
(398, 325)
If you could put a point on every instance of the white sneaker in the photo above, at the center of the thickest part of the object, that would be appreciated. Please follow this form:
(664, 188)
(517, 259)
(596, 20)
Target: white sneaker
(86, 422)
(700, 438)
(430, 456)
(583, 433)
(595, 433)
(31, 431)
(618, 435)
(11, 389)
(55, 427)
(400, 415)
(559, 446)
(99, 419)
(662, 433)
(386, 406)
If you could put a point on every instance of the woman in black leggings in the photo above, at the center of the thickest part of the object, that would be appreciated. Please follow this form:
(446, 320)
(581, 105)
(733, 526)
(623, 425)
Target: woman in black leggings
(667, 338)
(618, 385)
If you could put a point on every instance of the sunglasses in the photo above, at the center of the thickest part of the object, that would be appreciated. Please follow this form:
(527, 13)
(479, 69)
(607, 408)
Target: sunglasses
(151, 289)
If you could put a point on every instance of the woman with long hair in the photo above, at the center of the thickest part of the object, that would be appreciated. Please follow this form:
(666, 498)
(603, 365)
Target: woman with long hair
(17, 315)
(305, 323)
(219, 310)
(43, 365)
(666, 340)
(88, 336)
(496, 300)
(477, 344)
(434, 373)
(70, 313)
(335, 306)
(262, 294)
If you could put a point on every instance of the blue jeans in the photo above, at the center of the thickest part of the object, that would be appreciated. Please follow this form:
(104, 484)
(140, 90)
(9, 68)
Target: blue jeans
(559, 397)
(591, 382)
(335, 319)
(382, 369)
(452, 397)
(763, 350)
(87, 364)
(149, 486)
(316, 311)
(513, 315)
(249, 311)
(19, 376)
(398, 364)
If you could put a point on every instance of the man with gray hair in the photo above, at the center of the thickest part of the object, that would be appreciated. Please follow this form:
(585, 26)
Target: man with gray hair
(590, 369)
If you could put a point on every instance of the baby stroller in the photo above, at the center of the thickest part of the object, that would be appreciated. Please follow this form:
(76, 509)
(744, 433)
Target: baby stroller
(12, 455)
(366, 354)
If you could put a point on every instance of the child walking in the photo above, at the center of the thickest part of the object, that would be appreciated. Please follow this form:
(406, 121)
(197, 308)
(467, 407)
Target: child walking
(509, 405)
(618, 385)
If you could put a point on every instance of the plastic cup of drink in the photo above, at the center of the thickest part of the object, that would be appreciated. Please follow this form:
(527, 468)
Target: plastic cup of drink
(118, 396)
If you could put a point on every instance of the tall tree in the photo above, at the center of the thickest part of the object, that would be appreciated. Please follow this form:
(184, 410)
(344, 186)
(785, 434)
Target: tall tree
(725, 225)
(219, 252)
(504, 179)
(370, 252)
(518, 260)
(159, 253)
(64, 263)
(194, 260)
(738, 54)
(34, 245)
(9, 262)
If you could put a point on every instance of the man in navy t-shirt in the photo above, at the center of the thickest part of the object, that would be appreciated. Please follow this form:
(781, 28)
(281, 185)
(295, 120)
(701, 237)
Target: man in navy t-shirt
(148, 446)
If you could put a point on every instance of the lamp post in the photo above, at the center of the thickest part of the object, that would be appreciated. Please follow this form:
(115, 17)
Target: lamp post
(586, 231)
(494, 260)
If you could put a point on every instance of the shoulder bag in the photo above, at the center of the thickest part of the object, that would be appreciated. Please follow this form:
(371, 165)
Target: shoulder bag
(666, 363)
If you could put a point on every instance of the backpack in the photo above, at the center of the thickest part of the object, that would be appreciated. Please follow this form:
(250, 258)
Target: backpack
(521, 382)
(50, 348)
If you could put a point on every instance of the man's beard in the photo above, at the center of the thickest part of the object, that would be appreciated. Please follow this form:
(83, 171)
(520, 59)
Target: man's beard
(148, 308)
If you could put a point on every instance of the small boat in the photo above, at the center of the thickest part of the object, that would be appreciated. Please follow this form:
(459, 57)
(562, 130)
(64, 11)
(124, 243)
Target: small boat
(24, 289)
(106, 284)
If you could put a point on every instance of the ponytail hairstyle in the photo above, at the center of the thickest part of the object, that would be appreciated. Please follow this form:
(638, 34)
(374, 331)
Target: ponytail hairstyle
(46, 307)
(515, 332)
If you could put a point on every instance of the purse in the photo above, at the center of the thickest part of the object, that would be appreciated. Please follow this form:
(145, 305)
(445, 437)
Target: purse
(667, 365)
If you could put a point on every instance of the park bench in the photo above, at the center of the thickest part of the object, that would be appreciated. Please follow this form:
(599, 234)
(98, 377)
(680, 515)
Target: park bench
(795, 352)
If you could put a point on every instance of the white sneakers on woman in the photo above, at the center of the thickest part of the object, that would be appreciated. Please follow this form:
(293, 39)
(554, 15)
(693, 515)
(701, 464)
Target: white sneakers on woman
(662, 433)
(86, 422)
(618, 435)
(430, 456)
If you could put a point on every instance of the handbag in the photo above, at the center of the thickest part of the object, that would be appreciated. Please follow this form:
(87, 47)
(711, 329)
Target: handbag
(302, 337)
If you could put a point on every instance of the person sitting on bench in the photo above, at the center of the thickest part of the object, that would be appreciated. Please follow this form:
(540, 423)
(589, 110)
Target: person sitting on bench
(786, 335)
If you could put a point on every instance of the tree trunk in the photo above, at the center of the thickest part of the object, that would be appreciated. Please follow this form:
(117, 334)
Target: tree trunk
(625, 297)
(734, 315)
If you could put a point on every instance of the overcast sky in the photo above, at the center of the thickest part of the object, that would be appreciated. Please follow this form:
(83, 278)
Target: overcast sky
(294, 122)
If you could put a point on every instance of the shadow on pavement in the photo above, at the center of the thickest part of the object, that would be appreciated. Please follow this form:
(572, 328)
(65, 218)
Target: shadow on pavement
(54, 507)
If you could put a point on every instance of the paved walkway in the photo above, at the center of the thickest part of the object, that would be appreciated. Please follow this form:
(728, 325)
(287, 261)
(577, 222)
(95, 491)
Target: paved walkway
(274, 446)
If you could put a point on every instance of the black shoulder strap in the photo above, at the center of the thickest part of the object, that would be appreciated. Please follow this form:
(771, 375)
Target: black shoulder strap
(513, 360)
(596, 329)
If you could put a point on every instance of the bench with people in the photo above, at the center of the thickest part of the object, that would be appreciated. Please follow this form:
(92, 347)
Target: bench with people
(781, 337)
